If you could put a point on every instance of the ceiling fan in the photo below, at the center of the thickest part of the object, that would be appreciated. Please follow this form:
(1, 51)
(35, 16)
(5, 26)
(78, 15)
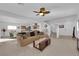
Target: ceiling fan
(42, 12)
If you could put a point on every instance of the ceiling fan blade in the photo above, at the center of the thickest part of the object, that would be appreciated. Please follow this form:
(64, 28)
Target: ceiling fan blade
(35, 11)
(37, 14)
(47, 12)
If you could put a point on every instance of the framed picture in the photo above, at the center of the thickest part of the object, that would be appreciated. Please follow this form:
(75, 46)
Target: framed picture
(61, 26)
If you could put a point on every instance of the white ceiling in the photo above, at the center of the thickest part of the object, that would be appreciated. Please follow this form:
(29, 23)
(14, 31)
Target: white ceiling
(18, 13)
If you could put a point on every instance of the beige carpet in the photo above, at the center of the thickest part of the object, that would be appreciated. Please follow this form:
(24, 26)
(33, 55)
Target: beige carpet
(59, 47)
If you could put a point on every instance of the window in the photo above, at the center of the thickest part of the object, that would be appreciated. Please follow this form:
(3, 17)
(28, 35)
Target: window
(12, 27)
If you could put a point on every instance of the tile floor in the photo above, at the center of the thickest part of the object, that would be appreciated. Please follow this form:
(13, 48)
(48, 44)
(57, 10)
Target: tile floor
(64, 46)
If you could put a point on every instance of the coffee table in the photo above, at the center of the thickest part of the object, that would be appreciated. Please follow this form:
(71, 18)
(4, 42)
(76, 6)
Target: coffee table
(41, 44)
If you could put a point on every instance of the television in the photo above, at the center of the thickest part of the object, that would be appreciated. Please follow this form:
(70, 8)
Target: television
(61, 26)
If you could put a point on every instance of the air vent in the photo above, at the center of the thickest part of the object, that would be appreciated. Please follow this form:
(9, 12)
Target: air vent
(21, 4)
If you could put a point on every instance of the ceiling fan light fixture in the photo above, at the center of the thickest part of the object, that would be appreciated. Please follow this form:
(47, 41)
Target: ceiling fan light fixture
(41, 14)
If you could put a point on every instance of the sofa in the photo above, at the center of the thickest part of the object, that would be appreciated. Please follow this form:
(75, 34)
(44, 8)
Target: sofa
(25, 39)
